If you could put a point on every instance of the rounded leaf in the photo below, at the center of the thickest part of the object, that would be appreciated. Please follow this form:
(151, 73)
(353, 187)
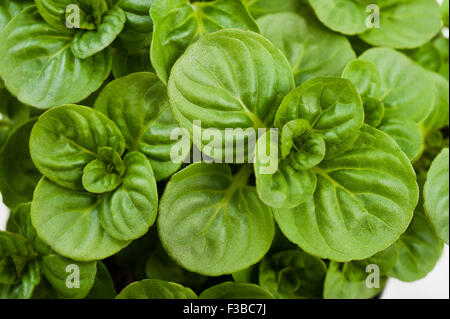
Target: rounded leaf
(31, 277)
(419, 250)
(129, 211)
(333, 108)
(233, 290)
(364, 201)
(229, 79)
(10, 8)
(436, 194)
(156, 289)
(69, 222)
(179, 23)
(259, 8)
(103, 287)
(54, 12)
(385, 261)
(439, 116)
(12, 244)
(138, 17)
(137, 33)
(18, 175)
(87, 43)
(406, 133)
(55, 269)
(396, 29)
(365, 76)
(31, 77)
(67, 138)
(311, 49)
(293, 275)
(211, 222)
(98, 179)
(344, 16)
(406, 88)
(338, 286)
(139, 105)
(284, 187)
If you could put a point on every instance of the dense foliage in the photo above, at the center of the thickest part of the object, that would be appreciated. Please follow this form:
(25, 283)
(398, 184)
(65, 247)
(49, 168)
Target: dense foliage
(92, 91)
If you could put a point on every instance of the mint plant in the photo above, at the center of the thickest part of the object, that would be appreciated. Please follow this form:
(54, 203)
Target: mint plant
(224, 149)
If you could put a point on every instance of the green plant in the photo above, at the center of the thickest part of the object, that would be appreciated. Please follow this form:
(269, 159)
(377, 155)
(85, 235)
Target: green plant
(223, 149)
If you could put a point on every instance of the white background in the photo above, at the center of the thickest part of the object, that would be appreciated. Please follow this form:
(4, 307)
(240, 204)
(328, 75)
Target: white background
(435, 285)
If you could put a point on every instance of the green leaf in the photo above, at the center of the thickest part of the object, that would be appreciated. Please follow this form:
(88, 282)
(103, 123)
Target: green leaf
(211, 222)
(286, 187)
(373, 111)
(396, 31)
(137, 33)
(24, 290)
(31, 76)
(419, 250)
(355, 17)
(10, 8)
(308, 149)
(319, 119)
(364, 201)
(12, 244)
(156, 289)
(365, 76)
(18, 175)
(293, 275)
(138, 17)
(179, 23)
(69, 222)
(406, 89)
(54, 12)
(125, 62)
(439, 116)
(344, 16)
(67, 138)
(97, 178)
(132, 41)
(229, 79)
(58, 270)
(128, 212)
(338, 286)
(333, 108)
(259, 8)
(436, 194)
(433, 55)
(91, 13)
(85, 44)
(311, 49)
(12, 114)
(139, 105)
(110, 156)
(103, 287)
(445, 11)
(233, 290)
(8, 272)
(385, 260)
(21, 217)
(406, 133)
